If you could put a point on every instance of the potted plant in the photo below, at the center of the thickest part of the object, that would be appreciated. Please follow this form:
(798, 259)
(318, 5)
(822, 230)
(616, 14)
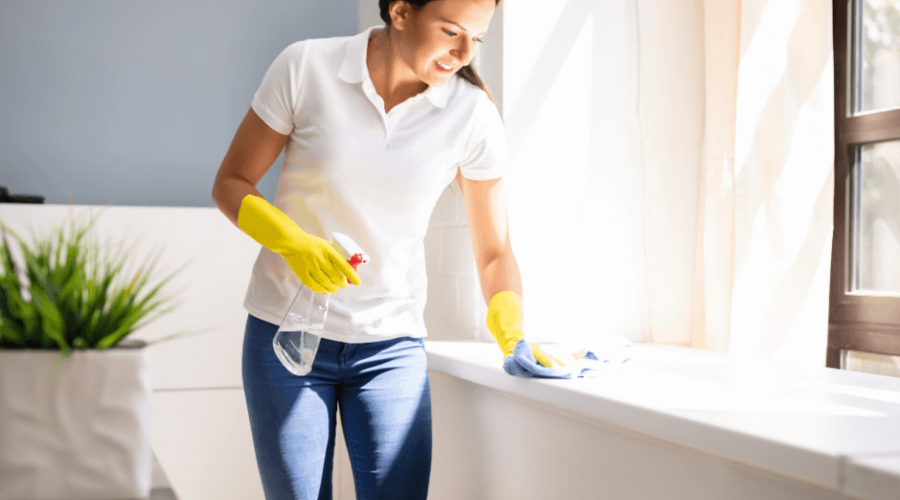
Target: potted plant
(75, 393)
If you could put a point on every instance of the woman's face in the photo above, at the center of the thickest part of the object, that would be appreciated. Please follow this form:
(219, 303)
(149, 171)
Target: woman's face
(443, 34)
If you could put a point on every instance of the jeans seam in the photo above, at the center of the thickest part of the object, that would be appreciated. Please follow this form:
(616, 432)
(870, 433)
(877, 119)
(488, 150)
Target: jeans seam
(340, 367)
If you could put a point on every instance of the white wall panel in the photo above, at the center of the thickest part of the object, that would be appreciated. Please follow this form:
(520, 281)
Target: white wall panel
(203, 443)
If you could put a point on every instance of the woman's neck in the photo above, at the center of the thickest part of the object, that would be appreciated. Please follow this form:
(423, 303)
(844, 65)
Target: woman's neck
(392, 78)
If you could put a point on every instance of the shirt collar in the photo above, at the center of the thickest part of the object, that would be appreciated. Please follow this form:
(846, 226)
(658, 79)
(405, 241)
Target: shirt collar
(354, 69)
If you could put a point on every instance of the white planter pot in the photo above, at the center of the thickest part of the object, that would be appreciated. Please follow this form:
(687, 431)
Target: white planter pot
(81, 433)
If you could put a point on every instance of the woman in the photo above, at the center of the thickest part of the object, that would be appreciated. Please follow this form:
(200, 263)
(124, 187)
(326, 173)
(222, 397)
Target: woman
(375, 126)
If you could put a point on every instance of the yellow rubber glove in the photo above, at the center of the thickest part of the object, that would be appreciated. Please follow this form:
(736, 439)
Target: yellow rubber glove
(504, 320)
(318, 265)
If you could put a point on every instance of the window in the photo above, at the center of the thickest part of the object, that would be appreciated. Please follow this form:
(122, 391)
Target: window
(864, 316)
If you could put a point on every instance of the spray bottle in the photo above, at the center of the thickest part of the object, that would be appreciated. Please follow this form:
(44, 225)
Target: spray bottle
(297, 339)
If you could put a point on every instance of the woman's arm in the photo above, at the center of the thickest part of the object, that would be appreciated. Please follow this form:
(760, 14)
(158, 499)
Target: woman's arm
(501, 281)
(253, 150)
(489, 230)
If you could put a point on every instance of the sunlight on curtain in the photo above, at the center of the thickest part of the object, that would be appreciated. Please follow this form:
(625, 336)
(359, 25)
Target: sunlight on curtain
(603, 107)
(764, 246)
(574, 186)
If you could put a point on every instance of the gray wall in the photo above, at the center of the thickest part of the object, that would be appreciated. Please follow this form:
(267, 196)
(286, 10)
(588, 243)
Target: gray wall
(136, 103)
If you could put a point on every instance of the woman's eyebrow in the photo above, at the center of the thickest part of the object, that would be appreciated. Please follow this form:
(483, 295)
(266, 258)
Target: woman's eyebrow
(457, 24)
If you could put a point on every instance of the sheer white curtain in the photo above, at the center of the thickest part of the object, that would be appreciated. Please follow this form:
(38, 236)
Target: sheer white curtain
(763, 250)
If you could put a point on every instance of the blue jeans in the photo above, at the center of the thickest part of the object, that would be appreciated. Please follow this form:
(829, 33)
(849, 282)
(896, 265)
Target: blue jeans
(383, 393)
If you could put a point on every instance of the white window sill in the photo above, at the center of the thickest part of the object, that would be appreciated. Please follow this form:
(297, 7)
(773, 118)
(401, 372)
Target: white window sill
(833, 428)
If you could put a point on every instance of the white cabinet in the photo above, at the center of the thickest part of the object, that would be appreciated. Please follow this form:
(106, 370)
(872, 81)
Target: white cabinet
(672, 423)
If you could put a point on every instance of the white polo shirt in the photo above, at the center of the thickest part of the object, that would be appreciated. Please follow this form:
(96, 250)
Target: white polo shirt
(352, 168)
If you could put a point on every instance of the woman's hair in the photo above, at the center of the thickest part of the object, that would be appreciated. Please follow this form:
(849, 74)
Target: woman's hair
(466, 72)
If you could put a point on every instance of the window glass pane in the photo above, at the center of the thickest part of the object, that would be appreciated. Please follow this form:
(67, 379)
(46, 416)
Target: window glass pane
(865, 362)
(875, 236)
(877, 55)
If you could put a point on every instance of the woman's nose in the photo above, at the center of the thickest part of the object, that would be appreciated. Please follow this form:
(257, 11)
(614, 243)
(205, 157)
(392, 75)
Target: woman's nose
(464, 51)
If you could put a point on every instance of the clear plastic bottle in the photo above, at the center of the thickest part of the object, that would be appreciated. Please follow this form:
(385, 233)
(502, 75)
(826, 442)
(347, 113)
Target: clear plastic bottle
(297, 339)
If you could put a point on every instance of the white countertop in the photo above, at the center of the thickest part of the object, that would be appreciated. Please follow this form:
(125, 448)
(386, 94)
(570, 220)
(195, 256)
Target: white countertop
(834, 428)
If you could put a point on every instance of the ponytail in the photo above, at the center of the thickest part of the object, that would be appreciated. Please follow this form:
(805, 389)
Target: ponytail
(469, 74)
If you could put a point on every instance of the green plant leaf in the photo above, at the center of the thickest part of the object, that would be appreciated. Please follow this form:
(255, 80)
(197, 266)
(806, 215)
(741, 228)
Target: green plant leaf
(52, 322)
(11, 328)
(14, 306)
(10, 333)
(26, 313)
(38, 272)
(9, 267)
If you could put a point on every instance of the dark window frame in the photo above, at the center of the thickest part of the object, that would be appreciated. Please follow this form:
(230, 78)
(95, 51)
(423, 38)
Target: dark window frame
(855, 321)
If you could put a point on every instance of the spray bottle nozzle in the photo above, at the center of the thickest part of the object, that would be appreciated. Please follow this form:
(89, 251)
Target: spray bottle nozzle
(349, 249)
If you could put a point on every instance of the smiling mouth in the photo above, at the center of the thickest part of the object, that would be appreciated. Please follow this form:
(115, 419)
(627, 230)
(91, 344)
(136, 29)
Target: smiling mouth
(445, 70)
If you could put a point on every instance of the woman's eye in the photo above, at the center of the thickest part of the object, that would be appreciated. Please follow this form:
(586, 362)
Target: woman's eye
(452, 34)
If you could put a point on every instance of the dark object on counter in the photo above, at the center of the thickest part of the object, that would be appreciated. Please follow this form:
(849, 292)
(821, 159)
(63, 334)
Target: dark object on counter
(5, 197)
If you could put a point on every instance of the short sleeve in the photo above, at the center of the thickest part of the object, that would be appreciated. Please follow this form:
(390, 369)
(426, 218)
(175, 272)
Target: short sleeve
(276, 98)
(487, 152)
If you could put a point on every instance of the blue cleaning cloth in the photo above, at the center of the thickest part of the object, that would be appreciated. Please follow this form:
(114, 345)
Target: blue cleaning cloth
(522, 363)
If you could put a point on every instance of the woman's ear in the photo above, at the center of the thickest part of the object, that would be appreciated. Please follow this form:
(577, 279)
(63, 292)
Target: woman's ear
(399, 12)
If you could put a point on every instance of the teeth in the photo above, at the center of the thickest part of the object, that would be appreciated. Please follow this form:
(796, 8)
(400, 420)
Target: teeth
(444, 66)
